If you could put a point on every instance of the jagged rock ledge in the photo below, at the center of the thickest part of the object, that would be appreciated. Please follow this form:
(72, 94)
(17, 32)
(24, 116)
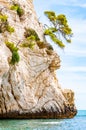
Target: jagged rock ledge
(40, 115)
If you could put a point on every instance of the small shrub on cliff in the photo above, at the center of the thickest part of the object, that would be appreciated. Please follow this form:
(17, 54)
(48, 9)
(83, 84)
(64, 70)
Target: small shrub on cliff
(18, 9)
(59, 28)
(15, 56)
(10, 29)
(29, 42)
(4, 25)
(3, 18)
(31, 32)
(31, 38)
(11, 46)
(3, 22)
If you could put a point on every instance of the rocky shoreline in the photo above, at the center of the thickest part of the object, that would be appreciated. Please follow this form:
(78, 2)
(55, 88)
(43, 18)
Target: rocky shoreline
(40, 115)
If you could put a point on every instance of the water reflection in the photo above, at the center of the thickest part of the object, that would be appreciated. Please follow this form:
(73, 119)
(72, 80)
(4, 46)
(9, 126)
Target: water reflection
(30, 124)
(76, 123)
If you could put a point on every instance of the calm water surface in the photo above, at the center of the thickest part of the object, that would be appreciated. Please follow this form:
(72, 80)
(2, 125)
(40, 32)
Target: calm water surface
(77, 123)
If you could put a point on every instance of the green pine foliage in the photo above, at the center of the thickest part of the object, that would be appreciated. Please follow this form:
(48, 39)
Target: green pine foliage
(3, 18)
(3, 22)
(51, 15)
(18, 9)
(24, 44)
(15, 56)
(29, 32)
(10, 29)
(56, 40)
(59, 28)
(4, 25)
(11, 46)
(31, 38)
(29, 42)
(31, 45)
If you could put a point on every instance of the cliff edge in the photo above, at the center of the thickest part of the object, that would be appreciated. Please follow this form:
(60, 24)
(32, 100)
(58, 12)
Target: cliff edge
(29, 88)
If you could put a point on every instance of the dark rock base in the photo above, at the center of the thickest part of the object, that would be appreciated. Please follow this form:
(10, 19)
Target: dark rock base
(38, 115)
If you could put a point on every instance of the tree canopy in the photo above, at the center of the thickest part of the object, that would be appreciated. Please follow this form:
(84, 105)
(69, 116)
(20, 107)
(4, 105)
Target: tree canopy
(58, 28)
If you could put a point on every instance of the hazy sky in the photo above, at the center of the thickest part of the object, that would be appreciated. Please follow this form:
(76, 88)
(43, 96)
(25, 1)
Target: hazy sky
(72, 73)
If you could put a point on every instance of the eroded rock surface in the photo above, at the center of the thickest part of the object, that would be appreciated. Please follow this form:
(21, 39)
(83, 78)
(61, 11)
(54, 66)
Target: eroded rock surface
(30, 88)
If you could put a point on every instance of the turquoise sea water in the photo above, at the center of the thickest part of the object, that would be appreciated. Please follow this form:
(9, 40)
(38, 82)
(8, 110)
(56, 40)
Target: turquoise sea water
(77, 123)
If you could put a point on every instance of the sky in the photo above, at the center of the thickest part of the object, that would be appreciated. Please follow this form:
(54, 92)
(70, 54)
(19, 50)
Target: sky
(72, 74)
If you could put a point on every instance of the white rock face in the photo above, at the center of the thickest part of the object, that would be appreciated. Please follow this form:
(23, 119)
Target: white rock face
(30, 89)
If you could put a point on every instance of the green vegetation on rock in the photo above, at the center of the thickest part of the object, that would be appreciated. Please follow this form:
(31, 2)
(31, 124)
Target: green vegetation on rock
(31, 38)
(18, 9)
(4, 25)
(10, 29)
(29, 32)
(59, 28)
(15, 55)
(3, 18)
(29, 42)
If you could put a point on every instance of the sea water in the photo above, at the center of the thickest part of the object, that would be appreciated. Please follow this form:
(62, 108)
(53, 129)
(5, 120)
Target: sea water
(76, 123)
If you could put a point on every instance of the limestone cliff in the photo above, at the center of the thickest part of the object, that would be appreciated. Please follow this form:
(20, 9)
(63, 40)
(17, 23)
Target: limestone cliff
(29, 89)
